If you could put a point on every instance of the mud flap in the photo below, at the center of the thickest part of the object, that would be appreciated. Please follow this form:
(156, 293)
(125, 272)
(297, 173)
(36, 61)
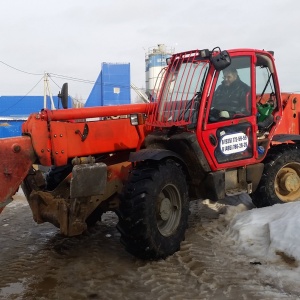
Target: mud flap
(88, 180)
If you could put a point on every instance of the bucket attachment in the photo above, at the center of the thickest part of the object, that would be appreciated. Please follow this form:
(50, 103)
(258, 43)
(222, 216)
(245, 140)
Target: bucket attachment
(17, 157)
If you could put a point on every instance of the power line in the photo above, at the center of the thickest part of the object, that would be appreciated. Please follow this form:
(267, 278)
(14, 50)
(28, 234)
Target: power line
(51, 74)
(23, 96)
(72, 78)
(2, 62)
(54, 82)
(67, 77)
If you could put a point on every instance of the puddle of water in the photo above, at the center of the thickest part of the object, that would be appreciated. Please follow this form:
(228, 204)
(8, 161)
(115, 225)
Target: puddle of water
(13, 289)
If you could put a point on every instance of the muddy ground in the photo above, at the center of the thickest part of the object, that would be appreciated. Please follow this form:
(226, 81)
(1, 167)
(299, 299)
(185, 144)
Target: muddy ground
(38, 263)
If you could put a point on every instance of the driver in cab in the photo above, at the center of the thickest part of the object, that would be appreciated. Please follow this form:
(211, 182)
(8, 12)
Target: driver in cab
(230, 97)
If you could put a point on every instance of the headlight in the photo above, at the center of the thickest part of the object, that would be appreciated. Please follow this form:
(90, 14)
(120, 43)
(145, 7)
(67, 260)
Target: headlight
(137, 119)
(134, 120)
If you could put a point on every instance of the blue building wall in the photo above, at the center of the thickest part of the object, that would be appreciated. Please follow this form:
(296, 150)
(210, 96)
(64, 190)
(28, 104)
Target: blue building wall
(14, 110)
(112, 86)
(10, 128)
(18, 106)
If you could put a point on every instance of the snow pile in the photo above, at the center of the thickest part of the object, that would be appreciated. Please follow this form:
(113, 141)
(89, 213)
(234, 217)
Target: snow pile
(267, 233)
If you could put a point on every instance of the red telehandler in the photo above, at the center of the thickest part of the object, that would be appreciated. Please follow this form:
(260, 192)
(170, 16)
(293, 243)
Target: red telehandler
(147, 164)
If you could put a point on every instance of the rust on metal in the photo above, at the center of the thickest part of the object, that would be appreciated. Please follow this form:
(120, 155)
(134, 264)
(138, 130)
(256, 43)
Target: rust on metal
(17, 157)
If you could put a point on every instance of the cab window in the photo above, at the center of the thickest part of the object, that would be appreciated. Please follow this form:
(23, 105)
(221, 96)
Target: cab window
(231, 97)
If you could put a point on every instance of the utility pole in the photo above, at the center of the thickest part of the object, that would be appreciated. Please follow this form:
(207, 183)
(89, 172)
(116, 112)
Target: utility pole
(47, 91)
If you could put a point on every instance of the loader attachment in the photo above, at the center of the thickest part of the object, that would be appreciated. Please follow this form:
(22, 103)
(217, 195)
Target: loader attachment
(17, 157)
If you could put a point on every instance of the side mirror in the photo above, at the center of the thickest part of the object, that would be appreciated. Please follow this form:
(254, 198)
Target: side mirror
(221, 60)
(63, 95)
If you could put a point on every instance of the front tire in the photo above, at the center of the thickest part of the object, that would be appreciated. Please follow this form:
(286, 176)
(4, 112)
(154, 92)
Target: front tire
(154, 210)
(280, 182)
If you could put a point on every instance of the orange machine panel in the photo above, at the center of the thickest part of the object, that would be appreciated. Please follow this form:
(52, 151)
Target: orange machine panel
(17, 156)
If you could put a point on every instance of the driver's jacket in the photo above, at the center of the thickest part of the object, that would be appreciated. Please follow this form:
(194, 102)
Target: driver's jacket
(234, 98)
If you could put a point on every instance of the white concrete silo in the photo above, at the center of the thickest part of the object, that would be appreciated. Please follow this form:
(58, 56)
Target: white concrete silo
(155, 60)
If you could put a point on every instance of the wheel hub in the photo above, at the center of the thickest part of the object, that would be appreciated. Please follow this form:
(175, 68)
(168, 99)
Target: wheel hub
(290, 182)
(165, 209)
(287, 182)
(168, 210)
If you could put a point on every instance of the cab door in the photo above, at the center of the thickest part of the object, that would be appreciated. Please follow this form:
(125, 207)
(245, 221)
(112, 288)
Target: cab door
(228, 133)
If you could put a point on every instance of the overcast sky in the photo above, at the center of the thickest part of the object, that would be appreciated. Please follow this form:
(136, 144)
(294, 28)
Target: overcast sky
(73, 37)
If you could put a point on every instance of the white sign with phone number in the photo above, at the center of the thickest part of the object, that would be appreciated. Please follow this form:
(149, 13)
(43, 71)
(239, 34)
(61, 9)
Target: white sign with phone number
(234, 143)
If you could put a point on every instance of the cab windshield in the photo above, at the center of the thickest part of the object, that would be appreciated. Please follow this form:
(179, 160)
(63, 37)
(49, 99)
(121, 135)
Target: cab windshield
(181, 92)
(184, 81)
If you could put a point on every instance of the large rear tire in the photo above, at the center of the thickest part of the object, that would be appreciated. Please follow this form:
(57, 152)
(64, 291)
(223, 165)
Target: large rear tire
(280, 182)
(154, 210)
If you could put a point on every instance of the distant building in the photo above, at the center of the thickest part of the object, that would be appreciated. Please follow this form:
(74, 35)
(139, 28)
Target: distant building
(14, 110)
(155, 61)
(112, 86)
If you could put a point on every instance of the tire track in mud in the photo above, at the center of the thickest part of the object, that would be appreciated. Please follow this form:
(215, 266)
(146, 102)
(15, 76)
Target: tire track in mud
(41, 264)
(207, 267)
(45, 265)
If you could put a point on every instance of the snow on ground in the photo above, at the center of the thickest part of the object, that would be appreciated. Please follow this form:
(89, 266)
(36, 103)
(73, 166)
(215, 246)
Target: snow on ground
(270, 236)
